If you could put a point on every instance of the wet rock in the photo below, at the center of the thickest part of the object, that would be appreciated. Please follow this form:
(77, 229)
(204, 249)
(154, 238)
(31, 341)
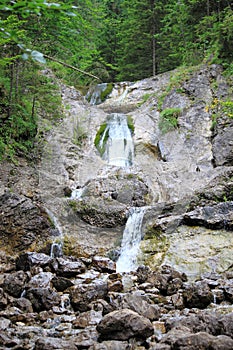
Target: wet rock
(83, 294)
(14, 283)
(124, 324)
(43, 298)
(22, 222)
(104, 264)
(54, 344)
(101, 213)
(28, 260)
(197, 295)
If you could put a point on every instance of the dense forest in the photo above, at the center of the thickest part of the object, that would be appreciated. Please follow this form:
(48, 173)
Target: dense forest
(84, 41)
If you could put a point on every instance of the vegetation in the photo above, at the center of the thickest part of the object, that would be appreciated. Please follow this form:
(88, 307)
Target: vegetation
(169, 119)
(109, 40)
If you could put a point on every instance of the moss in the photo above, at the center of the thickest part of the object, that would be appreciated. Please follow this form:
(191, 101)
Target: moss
(98, 138)
(104, 94)
(130, 123)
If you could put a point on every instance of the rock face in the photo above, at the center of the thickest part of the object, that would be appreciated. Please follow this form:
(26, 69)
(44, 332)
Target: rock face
(22, 222)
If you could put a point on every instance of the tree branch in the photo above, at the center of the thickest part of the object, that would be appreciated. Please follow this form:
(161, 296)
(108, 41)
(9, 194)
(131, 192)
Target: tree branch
(72, 67)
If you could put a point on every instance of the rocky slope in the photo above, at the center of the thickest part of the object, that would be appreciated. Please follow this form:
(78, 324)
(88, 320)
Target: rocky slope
(182, 177)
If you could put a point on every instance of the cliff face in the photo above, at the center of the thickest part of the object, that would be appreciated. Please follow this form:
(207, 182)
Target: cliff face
(174, 188)
(182, 126)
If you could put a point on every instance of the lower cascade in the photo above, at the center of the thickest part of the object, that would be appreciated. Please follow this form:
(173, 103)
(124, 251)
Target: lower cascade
(119, 148)
(132, 237)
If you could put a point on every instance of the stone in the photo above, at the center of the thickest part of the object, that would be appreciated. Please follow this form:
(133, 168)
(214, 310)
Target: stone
(53, 344)
(28, 260)
(104, 264)
(83, 294)
(14, 283)
(123, 325)
(197, 295)
(61, 283)
(41, 280)
(42, 298)
(69, 268)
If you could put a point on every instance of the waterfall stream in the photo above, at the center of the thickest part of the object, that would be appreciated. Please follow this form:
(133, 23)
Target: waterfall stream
(56, 246)
(132, 236)
(119, 148)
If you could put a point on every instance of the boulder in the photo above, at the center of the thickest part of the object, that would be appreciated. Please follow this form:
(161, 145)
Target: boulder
(197, 295)
(104, 264)
(28, 260)
(123, 325)
(83, 294)
(51, 343)
(43, 298)
(14, 283)
(69, 268)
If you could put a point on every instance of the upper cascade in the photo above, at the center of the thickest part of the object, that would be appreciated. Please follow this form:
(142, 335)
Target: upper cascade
(117, 142)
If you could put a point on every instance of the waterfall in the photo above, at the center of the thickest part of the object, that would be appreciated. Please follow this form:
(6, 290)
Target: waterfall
(132, 236)
(56, 246)
(119, 148)
(95, 95)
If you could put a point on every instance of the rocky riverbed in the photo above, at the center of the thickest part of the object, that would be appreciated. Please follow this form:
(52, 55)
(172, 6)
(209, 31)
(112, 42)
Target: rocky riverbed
(79, 303)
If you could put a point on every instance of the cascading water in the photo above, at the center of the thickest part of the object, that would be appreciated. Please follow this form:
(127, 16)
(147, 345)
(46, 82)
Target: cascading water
(56, 246)
(95, 95)
(132, 237)
(117, 141)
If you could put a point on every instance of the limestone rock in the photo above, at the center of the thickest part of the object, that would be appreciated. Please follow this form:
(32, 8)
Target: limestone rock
(22, 222)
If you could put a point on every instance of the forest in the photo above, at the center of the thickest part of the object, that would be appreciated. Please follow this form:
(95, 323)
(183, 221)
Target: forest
(85, 42)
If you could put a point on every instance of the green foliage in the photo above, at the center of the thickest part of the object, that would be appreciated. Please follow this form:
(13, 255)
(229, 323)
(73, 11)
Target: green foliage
(169, 119)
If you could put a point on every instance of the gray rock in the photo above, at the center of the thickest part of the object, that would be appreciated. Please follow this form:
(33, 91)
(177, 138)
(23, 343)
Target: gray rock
(28, 260)
(14, 283)
(83, 294)
(69, 268)
(54, 344)
(43, 298)
(104, 264)
(197, 295)
(124, 324)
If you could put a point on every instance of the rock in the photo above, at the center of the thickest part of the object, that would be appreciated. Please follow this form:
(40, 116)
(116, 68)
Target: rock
(123, 325)
(14, 283)
(41, 280)
(104, 264)
(22, 222)
(28, 260)
(4, 323)
(141, 304)
(215, 217)
(197, 295)
(54, 344)
(3, 299)
(111, 345)
(88, 318)
(222, 342)
(83, 294)
(23, 304)
(86, 338)
(43, 298)
(61, 283)
(69, 268)
(199, 340)
(226, 325)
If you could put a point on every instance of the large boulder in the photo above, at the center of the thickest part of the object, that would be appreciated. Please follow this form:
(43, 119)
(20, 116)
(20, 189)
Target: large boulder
(123, 325)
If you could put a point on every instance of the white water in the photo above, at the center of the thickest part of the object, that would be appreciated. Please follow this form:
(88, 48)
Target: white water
(132, 237)
(56, 246)
(95, 95)
(119, 146)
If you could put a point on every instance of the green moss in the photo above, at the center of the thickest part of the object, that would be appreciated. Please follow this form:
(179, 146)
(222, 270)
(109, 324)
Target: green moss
(98, 138)
(104, 94)
(130, 123)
